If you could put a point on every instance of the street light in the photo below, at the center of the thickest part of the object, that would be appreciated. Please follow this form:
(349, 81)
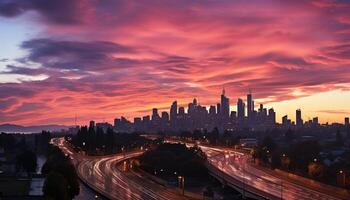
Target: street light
(181, 180)
(343, 177)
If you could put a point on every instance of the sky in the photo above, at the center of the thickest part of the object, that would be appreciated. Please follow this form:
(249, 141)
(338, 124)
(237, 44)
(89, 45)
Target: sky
(100, 60)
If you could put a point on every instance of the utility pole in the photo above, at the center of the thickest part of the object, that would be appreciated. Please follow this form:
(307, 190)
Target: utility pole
(181, 180)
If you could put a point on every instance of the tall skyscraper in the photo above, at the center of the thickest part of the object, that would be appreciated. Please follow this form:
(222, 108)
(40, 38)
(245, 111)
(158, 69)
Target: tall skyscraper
(218, 108)
(250, 108)
(173, 112)
(225, 107)
(298, 119)
(240, 109)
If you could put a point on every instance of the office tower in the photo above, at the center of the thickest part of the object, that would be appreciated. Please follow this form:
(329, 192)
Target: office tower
(346, 121)
(250, 106)
(165, 116)
(261, 108)
(285, 120)
(225, 107)
(233, 116)
(298, 120)
(240, 109)
(92, 125)
(146, 119)
(218, 108)
(192, 107)
(173, 112)
(137, 123)
(212, 110)
(155, 115)
(272, 116)
(181, 111)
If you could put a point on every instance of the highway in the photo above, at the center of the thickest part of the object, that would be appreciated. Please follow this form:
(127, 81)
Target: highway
(103, 175)
(237, 166)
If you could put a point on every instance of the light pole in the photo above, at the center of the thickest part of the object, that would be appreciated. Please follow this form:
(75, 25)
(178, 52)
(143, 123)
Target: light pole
(342, 174)
(181, 180)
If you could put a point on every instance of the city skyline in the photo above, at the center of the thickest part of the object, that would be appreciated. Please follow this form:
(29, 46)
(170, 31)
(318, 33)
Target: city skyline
(194, 116)
(101, 59)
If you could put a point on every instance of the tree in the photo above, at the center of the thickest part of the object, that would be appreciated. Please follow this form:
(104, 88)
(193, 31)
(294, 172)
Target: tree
(60, 164)
(316, 170)
(55, 187)
(27, 160)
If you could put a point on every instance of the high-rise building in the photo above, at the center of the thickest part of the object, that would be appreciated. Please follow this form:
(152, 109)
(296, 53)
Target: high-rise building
(225, 107)
(272, 116)
(233, 116)
(165, 116)
(346, 121)
(92, 125)
(218, 108)
(285, 120)
(155, 115)
(173, 112)
(298, 119)
(250, 106)
(212, 110)
(181, 111)
(240, 109)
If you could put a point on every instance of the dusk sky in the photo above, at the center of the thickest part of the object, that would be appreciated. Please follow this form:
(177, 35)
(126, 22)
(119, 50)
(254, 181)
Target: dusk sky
(101, 59)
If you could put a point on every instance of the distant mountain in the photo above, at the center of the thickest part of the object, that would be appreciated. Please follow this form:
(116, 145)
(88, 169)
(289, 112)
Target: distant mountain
(12, 128)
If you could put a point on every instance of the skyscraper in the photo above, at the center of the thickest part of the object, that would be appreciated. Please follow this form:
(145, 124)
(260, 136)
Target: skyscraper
(298, 120)
(212, 110)
(272, 116)
(92, 125)
(250, 106)
(225, 107)
(155, 115)
(240, 109)
(173, 112)
(346, 121)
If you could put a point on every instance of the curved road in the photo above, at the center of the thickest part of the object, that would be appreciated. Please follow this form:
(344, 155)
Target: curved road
(236, 165)
(103, 175)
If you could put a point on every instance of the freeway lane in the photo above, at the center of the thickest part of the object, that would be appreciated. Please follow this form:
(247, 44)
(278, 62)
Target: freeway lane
(102, 174)
(237, 169)
(236, 165)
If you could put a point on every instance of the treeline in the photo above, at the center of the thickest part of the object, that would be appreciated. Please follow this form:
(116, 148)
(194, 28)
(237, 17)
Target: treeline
(61, 182)
(173, 160)
(94, 141)
(22, 149)
(303, 158)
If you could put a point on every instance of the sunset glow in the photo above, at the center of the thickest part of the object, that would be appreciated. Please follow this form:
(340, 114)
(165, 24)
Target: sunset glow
(105, 59)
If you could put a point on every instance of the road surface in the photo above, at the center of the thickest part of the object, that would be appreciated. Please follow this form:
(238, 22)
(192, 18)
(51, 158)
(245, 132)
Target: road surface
(237, 165)
(103, 175)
